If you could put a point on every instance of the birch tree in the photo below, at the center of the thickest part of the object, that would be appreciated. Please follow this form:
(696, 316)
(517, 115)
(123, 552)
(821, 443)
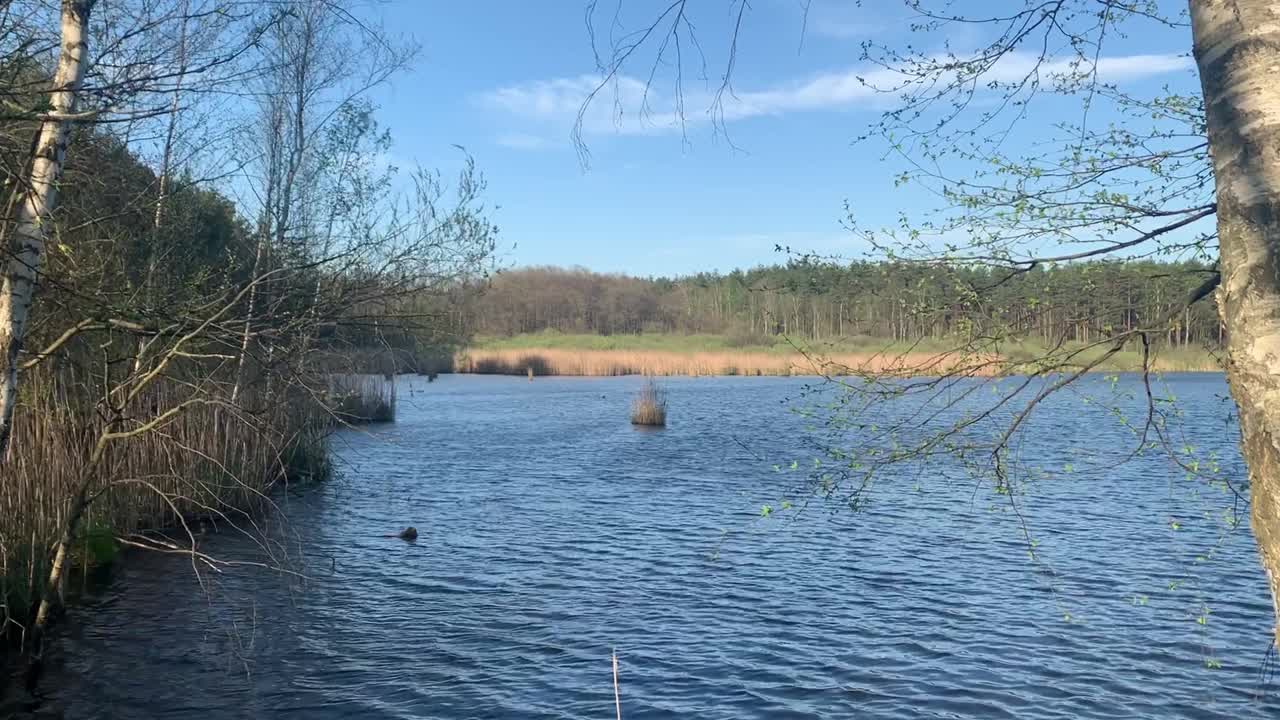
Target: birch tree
(39, 195)
(1237, 49)
(110, 72)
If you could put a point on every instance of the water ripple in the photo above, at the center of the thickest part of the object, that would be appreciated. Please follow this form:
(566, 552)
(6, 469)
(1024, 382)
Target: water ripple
(551, 533)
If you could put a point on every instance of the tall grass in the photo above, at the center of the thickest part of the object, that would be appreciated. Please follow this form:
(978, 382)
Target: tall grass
(711, 355)
(1166, 359)
(211, 463)
(649, 406)
(665, 363)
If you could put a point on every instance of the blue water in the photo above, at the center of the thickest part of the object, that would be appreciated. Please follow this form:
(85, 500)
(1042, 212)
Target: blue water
(553, 532)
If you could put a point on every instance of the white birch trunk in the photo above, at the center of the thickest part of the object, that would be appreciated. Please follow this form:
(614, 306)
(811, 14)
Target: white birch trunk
(170, 136)
(1237, 49)
(266, 223)
(32, 216)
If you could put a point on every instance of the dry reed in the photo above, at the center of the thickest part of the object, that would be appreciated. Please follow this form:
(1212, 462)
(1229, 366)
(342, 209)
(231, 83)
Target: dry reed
(357, 399)
(649, 406)
(887, 362)
(212, 463)
(667, 363)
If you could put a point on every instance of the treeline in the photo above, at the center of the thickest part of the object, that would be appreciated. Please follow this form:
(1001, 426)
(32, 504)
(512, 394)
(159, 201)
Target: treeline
(821, 301)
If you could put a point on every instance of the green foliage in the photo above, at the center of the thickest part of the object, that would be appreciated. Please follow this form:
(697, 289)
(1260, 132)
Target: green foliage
(554, 339)
(98, 542)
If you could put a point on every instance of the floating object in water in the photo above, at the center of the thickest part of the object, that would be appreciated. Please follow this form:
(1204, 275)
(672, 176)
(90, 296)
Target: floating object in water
(409, 533)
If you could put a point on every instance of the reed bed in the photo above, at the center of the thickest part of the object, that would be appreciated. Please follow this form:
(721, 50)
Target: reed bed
(885, 362)
(649, 406)
(557, 361)
(359, 399)
(212, 464)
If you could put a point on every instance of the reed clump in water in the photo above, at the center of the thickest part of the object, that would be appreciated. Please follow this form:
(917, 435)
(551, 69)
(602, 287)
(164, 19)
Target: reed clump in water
(359, 399)
(649, 407)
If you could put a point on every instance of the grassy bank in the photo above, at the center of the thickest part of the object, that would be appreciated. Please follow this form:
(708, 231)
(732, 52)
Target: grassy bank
(596, 355)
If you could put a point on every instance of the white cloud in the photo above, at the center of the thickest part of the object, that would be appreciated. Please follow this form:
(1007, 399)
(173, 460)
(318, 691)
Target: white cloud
(544, 98)
(620, 106)
(827, 91)
(1132, 67)
(1015, 66)
(624, 107)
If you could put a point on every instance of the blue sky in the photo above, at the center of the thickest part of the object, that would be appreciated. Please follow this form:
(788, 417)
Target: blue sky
(504, 79)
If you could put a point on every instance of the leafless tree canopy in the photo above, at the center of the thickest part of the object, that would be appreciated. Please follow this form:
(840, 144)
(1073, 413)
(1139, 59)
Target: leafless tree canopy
(203, 230)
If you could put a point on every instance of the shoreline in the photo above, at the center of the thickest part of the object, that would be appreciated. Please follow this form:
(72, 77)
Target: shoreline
(591, 362)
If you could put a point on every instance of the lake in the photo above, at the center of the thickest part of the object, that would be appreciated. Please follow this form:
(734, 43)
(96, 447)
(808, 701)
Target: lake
(553, 532)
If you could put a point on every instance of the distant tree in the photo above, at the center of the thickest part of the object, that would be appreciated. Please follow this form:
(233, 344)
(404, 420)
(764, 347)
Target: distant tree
(823, 302)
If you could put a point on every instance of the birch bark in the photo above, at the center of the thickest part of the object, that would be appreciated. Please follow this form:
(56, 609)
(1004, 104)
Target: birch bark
(32, 215)
(1237, 49)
